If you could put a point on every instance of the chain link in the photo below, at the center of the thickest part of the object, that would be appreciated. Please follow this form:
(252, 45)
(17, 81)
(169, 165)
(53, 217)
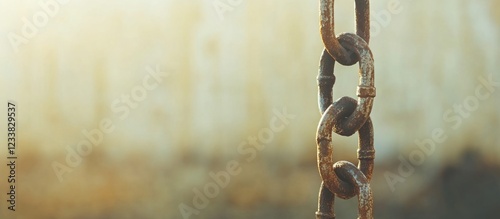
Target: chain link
(327, 28)
(346, 115)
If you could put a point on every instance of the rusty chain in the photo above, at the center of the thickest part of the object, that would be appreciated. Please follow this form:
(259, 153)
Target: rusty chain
(346, 115)
(327, 28)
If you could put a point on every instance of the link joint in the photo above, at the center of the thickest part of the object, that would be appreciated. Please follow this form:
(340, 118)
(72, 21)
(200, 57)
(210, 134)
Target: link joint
(321, 215)
(366, 91)
(366, 154)
(326, 79)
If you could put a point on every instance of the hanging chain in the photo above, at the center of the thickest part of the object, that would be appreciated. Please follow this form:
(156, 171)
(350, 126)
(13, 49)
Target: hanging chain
(346, 115)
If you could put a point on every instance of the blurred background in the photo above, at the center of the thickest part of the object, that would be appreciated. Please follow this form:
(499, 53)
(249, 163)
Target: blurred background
(233, 70)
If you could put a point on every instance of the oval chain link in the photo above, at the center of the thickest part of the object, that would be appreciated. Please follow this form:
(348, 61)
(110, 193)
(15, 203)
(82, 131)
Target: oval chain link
(327, 29)
(366, 152)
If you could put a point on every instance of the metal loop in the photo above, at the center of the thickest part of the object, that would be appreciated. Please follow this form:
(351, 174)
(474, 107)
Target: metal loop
(347, 123)
(327, 28)
(366, 90)
(366, 151)
(350, 173)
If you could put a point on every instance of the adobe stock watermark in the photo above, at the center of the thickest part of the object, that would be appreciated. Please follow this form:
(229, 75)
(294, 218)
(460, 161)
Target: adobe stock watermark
(382, 18)
(454, 117)
(248, 149)
(121, 108)
(221, 7)
(48, 9)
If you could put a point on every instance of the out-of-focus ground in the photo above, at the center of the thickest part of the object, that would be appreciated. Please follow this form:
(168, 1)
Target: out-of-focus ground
(226, 80)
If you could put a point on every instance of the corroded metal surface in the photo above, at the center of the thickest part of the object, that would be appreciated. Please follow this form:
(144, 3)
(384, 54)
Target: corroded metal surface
(327, 28)
(326, 200)
(346, 115)
(326, 80)
(347, 123)
(354, 176)
(366, 151)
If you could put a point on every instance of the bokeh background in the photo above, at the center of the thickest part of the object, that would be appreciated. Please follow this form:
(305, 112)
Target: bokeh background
(227, 75)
